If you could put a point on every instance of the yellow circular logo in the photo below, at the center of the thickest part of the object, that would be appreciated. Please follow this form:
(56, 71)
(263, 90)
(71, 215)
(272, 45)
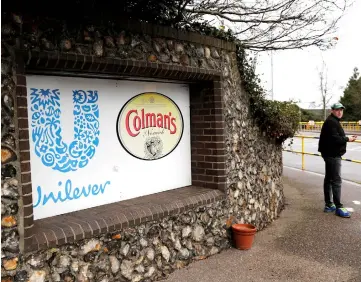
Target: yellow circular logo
(150, 126)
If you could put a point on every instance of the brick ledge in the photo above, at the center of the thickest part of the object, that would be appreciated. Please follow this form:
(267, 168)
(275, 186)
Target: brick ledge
(80, 63)
(59, 230)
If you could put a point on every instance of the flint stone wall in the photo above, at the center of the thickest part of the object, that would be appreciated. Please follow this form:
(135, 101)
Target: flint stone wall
(152, 250)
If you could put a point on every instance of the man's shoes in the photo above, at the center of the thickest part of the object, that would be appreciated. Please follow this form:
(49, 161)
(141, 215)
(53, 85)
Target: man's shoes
(331, 208)
(342, 212)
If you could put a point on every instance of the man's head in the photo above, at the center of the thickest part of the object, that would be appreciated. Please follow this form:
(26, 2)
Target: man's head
(337, 110)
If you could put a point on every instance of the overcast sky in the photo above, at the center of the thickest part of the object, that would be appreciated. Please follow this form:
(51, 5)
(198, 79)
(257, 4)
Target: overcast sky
(295, 71)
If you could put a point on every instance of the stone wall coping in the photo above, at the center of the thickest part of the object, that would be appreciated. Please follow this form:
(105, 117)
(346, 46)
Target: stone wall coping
(159, 31)
(173, 33)
(85, 224)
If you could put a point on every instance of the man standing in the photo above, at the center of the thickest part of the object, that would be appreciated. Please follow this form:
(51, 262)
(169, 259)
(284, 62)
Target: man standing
(332, 146)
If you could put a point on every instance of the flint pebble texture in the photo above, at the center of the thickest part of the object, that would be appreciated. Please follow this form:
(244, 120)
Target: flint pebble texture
(152, 250)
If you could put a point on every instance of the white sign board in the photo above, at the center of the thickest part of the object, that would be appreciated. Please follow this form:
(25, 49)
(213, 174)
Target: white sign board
(97, 141)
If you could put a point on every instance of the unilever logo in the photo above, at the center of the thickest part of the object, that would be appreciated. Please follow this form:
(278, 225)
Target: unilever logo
(53, 151)
(46, 129)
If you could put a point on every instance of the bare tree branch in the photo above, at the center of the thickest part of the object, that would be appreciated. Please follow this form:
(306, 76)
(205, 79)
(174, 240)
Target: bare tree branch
(273, 25)
(257, 24)
(324, 88)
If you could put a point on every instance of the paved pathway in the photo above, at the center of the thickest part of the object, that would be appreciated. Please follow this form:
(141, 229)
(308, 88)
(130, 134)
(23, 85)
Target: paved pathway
(303, 244)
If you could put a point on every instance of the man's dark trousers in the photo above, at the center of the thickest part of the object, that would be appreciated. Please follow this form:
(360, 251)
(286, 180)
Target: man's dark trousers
(333, 181)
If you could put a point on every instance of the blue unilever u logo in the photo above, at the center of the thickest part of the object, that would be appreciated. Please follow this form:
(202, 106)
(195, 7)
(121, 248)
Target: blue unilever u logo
(46, 129)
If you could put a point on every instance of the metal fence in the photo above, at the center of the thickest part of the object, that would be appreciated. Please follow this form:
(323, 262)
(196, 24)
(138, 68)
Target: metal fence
(351, 126)
(314, 154)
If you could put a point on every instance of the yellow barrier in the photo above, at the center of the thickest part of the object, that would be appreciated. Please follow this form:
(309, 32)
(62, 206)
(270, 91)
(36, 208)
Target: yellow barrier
(317, 125)
(313, 154)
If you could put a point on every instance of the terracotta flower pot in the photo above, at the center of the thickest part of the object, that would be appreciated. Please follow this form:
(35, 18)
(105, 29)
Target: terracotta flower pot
(243, 235)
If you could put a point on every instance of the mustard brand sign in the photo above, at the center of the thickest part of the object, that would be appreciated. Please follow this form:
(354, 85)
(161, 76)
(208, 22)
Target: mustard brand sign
(150, 126)
(76, 159)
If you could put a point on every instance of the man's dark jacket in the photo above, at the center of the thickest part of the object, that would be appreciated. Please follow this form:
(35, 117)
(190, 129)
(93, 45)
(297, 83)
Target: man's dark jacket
(333, 140)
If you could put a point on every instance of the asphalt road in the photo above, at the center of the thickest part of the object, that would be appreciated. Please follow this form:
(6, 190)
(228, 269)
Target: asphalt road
(303, 244)
(350, 171)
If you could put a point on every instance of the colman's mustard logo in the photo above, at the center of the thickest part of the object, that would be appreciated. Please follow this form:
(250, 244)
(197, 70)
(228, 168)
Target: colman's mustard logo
(150, 126)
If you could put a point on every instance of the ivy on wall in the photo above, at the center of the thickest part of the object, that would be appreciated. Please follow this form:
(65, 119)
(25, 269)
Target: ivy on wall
(279, 120)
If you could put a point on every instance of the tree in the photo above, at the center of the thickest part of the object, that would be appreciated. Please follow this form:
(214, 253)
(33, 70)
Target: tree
(258, 24)
(352, 97)
(307, 115)
(273, 25)
(325, 89)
